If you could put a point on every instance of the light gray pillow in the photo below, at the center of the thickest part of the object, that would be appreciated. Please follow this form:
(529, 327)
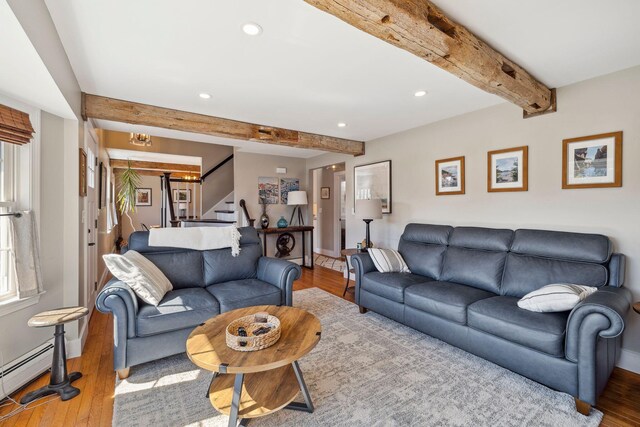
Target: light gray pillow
(555, 297)
(388, 261)
(146, 280)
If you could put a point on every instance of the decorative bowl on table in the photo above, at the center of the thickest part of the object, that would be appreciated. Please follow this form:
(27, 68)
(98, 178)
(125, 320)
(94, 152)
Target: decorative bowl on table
(255, 332)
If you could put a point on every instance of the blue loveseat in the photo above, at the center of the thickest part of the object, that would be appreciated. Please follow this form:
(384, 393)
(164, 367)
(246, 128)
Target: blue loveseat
(205, 284)
(464, 286)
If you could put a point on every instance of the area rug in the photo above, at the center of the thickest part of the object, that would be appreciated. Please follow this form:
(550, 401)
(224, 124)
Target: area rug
(328, 262)
(366, 371)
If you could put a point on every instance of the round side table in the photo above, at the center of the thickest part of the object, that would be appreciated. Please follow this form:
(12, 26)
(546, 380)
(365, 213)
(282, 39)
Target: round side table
(346, 253)
(636, 307)
(59, 381)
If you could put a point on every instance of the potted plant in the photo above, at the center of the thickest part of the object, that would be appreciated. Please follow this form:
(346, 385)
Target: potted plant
(129, 182)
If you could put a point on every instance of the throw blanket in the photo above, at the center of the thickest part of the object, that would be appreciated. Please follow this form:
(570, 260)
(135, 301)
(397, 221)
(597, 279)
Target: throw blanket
(198, 238)
(24, 247)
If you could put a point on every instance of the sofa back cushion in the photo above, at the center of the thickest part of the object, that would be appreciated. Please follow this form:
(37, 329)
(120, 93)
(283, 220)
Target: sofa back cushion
(220, 266)
(539, 258)
(476, 257)
(423, 247)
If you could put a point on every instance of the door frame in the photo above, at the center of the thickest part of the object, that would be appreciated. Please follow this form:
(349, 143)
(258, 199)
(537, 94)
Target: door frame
(338, 177)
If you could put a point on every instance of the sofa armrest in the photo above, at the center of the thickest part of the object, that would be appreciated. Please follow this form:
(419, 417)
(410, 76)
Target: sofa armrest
(280, 273)
(118, 298)
(362, 264)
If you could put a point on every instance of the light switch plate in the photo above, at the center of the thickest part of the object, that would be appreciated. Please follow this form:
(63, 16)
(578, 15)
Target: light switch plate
(281, 170)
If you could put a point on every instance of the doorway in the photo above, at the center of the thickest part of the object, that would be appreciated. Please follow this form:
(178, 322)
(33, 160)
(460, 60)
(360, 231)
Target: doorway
(328, 185)
(91, 222)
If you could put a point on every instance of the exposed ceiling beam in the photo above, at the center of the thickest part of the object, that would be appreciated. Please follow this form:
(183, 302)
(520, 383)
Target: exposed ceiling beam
(100, 107)
(420, 27)
(149, 172)
(165, 167)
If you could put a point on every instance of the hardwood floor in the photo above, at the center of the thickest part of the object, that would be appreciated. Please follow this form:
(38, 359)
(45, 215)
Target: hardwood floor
(620, 401)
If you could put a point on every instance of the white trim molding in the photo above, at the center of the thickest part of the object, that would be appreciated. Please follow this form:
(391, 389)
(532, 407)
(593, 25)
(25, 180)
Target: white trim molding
(629, 360)
(17, 304)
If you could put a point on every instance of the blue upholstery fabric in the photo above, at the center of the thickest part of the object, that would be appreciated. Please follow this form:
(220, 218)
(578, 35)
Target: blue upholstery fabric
(478, 268)
(220, 266)
(524, 274)
(427, 233)
(563, 246)
(489, 239)
(362, 265)
(179, 309)
(390, 285)
(244, 293)
(280, 273)
(444, 299)
(617, 265)
(423, 248)
(501, 316)
(183, 269)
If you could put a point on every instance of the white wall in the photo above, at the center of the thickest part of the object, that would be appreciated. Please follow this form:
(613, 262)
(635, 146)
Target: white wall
(603, 104)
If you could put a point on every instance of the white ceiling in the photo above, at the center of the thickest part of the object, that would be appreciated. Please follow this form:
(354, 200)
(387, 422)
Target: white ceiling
(308, 70)
(146, 156)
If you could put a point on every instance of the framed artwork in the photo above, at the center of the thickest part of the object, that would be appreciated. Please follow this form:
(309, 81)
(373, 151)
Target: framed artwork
(102, 189)
(373, 181)
(508, 169)
(592, 161)
(286, 185)
(325, 192)
(450, 176)
(83, 173)
(143, 197)
(268, 190)
(181, 196)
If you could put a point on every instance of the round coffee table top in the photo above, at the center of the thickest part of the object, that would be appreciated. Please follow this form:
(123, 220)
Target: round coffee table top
(57, 317)
(207, 347)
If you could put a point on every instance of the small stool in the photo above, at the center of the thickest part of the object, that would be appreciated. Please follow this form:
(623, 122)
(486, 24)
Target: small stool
(59, 382)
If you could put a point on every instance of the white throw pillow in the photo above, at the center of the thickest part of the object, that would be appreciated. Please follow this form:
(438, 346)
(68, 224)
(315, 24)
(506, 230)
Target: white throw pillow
(146, 280)
(555, 297)
(388, 261)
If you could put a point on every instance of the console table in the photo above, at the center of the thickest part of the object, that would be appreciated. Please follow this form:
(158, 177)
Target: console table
(302, 229)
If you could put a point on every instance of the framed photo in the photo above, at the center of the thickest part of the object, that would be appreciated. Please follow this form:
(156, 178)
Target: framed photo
(325, 192)
(268, 190)
(102, 189)
(508, 169)
(143, 197)
(592, 161)
(83, 173)
(450, 176)
(373, 181)
(181, 196)
(286, 185)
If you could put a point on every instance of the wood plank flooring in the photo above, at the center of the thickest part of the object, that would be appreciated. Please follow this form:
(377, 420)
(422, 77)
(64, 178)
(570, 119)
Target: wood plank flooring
(94, 406)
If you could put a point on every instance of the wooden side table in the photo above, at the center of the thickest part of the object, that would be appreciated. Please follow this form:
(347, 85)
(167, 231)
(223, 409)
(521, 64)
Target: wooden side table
(302, 229)
(60, 381)
(346, 253)
(636, 307)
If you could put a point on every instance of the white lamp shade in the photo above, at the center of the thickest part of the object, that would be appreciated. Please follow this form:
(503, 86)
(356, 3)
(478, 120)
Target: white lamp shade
(369, 209)
(182, 206)
(297, 198)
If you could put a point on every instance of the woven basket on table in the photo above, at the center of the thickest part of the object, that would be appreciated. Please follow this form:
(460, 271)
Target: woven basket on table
(250, 324)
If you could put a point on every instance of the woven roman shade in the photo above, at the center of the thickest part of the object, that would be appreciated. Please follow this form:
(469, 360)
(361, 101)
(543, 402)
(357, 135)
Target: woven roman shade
(15, 126)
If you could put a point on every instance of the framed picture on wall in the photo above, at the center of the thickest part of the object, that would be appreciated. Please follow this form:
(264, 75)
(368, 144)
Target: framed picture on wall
(592, 161)
(450, 176)
(286, 185)
(83, 173)
(325, 192)
(508, 169)
(143, 197)
(181, 196)
(373, 181)
(102, 189)
(268, 190)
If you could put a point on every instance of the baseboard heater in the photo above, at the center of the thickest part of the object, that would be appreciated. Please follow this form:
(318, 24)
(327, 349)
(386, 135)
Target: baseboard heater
(24, 369)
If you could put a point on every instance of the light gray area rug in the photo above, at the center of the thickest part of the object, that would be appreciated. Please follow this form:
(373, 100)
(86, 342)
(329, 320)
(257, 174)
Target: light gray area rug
(366, 371)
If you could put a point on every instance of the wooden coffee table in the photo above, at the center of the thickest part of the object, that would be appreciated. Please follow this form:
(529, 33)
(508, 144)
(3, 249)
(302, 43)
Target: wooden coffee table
(256, 383)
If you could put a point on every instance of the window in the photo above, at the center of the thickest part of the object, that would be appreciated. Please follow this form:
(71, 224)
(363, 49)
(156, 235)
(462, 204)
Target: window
(7, 204)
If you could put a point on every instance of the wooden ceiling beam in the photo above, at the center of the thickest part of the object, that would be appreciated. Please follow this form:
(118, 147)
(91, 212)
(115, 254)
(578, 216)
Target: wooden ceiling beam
(165, 167)
(103, 108)
(158, 173)
(420, 27)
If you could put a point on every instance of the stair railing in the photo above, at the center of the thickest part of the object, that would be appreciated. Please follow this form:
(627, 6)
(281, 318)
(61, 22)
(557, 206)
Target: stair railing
(215, 168)
(243, 205)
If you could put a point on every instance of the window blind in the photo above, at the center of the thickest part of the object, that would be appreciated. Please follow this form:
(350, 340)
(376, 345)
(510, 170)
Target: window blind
(15, 126)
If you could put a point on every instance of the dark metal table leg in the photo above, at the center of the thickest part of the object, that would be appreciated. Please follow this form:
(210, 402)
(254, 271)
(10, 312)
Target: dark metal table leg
(215, 375)
(235, 402)
(307, 406)
(346, 285)
(304, 260)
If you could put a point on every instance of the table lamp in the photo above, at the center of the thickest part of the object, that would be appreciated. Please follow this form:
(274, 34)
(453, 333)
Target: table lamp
(368, 210)
(297, 199)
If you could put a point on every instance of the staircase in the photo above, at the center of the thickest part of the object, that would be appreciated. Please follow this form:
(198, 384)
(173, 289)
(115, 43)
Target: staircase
(227, 215)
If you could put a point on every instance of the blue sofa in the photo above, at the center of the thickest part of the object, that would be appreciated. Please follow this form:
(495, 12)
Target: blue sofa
(464, 286)
(205, 284)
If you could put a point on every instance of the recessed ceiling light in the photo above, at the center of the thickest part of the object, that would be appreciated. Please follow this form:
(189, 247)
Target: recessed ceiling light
(251, 28)
(205, 95)
(420, 93)
(342, 125)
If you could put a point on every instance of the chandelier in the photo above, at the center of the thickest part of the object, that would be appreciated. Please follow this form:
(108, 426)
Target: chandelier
(140, 139)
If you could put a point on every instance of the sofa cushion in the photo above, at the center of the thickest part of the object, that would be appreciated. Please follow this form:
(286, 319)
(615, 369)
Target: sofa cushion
(594, 248)
(423, 246)
(500, 316)
(220, 266)
(244, 293)
(391, 285)
(444, 299)
(489, 239)
(183, 269)
(179, 309)
(478, 268)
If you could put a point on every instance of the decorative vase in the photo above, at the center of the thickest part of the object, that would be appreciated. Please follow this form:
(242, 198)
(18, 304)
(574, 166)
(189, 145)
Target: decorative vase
(264, 220)
(282, 223)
